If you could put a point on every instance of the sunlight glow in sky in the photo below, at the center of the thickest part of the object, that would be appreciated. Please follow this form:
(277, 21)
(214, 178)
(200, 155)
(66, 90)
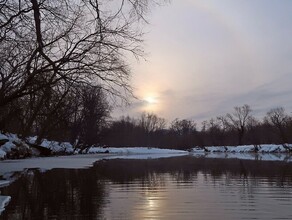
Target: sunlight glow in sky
(206, 56)
(151, 100)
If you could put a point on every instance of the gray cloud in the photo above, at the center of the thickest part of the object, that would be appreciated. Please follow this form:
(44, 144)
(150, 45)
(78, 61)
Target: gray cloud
(220, 54)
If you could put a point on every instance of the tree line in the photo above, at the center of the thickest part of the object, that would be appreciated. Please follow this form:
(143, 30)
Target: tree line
(240, 127)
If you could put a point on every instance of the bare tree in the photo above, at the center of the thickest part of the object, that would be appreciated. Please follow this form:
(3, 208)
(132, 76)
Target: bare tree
(95, 111)
(183, 127)
(239, 120)
(223, 123)
(214, 132)
(46, 44)
(150, 122)
(253, 132)
(279, 119)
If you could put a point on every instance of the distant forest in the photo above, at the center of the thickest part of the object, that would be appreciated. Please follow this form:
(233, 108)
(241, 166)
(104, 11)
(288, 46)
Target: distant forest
(239, 127)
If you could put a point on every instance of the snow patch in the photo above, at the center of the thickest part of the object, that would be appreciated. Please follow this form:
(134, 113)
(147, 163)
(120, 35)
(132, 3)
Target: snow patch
(265, 152)
(264, 148)
(4, 183)
(54, 146)
(145, 156)
(246, 156)
(2, 154)
(13, 143)
(57, 147)
(4, 200)
(3, 137)
(8, 146)
(134, 150)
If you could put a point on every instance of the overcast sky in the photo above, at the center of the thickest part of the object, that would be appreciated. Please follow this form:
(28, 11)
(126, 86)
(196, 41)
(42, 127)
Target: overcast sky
(206, 56)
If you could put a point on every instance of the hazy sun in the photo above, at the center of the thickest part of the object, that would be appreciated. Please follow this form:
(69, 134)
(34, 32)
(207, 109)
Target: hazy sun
(150, 100)
(151, 103)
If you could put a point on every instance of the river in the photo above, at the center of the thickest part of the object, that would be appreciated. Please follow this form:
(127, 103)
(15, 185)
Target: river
(183, 187)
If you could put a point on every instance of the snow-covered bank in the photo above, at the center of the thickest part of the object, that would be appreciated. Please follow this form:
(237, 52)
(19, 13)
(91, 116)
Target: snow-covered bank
(54, 146)
(14, 147)
(11, 146)
(75, 161)
(264, 152)
(247, 156)
(4, 200)
(264, 148)
(134, 150)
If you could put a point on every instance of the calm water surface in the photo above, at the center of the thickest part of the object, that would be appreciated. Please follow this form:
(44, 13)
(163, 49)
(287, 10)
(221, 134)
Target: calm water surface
(173, 188)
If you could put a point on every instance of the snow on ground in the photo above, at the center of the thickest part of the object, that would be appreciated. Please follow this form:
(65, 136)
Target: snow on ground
(247, 156)
(267, 148)
(10, 142)
(134, 150)
(4, 183)
(147, 156)
(3, 137)
(2, 154)
(8, 146)
(4, 200)
(83, 161)
(264, 152)
(47, 163)
(264, 148)
(56, 147)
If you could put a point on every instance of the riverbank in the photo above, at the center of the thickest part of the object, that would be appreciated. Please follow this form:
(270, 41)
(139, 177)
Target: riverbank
(263, 148)
(13, 147)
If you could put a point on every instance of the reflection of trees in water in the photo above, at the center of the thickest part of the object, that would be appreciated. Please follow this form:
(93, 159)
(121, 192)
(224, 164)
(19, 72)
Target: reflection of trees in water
(69, 193)
(153, 181)
(187, 169)
(127, 172)
(240, 177)
(57, 194)
(183, 176)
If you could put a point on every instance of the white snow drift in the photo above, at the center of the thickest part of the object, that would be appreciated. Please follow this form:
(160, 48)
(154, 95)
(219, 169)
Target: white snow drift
(264, 148)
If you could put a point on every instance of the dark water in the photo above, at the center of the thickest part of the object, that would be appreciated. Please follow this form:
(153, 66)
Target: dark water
(173, 188)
